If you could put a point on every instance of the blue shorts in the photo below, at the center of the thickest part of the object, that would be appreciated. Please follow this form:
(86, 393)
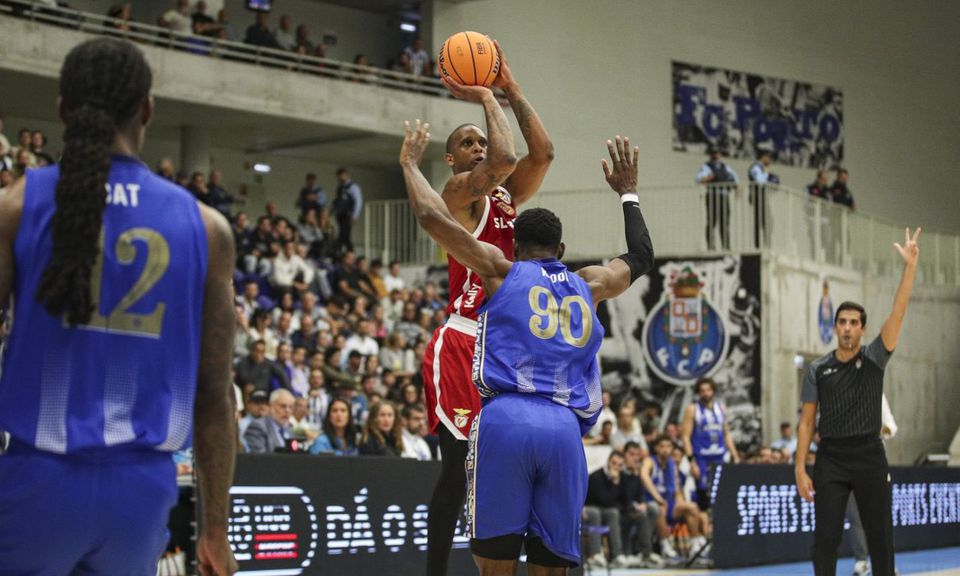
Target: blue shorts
(71, 515)
(707, 464)
(527, 473)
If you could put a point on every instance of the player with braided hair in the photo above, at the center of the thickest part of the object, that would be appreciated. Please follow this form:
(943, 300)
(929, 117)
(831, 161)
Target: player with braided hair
(123, 329)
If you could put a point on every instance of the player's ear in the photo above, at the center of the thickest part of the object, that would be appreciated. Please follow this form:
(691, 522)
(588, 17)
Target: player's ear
(561, 250)
(448, 158)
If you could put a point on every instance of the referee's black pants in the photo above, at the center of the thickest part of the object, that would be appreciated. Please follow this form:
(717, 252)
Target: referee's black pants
(857, 464)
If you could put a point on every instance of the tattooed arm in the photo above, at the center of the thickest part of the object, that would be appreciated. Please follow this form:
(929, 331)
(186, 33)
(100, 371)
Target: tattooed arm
(531, 169)
(466, 189)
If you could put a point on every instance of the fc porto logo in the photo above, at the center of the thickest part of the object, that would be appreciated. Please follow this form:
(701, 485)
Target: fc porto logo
(684, 337)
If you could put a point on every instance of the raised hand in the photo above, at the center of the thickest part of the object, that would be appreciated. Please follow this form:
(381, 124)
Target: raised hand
(415, 140)
(910, 252)
(469, 93)
(622, 176)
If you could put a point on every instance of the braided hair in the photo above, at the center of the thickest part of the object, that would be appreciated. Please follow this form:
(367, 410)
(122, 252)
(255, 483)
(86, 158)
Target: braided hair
(103, 84)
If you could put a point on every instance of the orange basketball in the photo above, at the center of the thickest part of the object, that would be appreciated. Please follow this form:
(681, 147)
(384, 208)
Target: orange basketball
(469, 58)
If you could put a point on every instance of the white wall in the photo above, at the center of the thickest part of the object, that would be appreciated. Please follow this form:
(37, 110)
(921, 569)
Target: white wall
(922, 377)
(596, 69)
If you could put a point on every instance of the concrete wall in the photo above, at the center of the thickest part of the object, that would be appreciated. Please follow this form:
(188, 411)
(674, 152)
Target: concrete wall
(595, 69)
(922, 376)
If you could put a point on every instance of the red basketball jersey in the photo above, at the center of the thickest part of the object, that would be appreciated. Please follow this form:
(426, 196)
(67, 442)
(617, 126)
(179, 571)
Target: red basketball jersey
(495, 227)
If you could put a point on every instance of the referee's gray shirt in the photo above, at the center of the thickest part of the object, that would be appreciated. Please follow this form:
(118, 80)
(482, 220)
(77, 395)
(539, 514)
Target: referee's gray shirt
(850, 393)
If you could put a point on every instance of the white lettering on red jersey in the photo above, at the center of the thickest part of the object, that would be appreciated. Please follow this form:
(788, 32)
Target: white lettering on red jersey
(495, 227)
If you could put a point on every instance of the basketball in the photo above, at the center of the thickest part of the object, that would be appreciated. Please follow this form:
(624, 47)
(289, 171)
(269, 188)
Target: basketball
(469, 58)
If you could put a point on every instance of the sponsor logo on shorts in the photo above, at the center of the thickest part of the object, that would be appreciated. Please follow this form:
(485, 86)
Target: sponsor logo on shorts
(460, 420)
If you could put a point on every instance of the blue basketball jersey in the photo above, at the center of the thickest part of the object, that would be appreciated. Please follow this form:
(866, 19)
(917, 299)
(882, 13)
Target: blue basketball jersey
(665, 479)
(707, 438)
(127, 377)
(540, 335)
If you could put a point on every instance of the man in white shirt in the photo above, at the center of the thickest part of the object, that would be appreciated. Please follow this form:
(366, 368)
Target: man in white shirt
(287, 266)
(419, 58)
(361, 341)
(178, 19)
(414, 446)
(392, 281)
(787, 442)
(284, 35)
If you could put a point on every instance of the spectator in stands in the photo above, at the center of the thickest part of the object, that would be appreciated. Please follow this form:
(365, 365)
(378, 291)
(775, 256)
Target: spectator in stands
(604, 495)
(819, 187)
(319, 396)
(4, 143)
(302, 43)
(306, 336)
(204, 24)
(220, 200)
(350, 280)
(177, 19)
(256, 407)
(312, 195)
(346, 207)
(720, 180)
(122, 15)
(38, 143)
(272, 432)
(375, 278)
(290, 271)
(760, 177)
(251, 300)
(259, 34)
(396, 357)
(301, 421)
(419, 58)
(382, 434)
(310, 233)
(284, 35)
(258, 371)
(787, 442)
(662, 482)
(226, 28)
(25, 160)
(165, 169)
(339, 432)
(627, 428)
(392, 281)
(361, 341)
(414, 426)
(182, 179)
(839, 192)
(198, 187)
(298, 372)
(606, 415)
(409, 324)
(673, 432)
(332, 373)
(402, 64)
(6, 178)
(261, 242)
(23, 144)
(639, 516)
(410, 395)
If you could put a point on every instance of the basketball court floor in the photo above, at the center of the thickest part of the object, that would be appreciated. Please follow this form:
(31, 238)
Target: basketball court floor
(938, 562)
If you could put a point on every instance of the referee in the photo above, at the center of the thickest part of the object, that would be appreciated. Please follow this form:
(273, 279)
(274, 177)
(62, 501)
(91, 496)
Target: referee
(847, 386)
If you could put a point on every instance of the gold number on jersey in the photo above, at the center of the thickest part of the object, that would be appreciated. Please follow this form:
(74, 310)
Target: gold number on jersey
(120, 319)
(546, 319)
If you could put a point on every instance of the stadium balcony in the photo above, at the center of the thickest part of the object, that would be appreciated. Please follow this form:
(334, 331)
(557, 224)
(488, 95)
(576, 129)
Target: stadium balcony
(298, 101)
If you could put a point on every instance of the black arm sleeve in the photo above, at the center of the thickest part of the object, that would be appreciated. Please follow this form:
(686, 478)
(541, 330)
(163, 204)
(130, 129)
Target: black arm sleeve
(639, 256)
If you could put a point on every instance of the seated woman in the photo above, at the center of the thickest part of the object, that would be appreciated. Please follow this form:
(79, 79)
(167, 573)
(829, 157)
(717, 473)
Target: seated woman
(339, 433)
(383, 434)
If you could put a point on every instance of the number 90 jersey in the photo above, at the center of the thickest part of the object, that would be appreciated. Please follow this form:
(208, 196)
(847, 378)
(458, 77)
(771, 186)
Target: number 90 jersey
(127, 377)
(540, 335)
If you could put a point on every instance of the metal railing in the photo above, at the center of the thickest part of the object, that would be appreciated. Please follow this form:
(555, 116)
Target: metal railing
(701, 220)
(224, 49)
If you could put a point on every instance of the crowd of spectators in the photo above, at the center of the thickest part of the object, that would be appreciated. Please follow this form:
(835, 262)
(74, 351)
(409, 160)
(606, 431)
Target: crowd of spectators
(28, 152)
(623, 499)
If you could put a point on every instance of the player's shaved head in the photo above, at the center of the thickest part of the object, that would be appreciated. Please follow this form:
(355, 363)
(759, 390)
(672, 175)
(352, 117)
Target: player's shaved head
(538, 228)
(454, 136)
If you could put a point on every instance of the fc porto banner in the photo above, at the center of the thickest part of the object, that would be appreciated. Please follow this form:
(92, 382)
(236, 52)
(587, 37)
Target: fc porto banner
(740, 113)
(686, 319)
